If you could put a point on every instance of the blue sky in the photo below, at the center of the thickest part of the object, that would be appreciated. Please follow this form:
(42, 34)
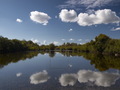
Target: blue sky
(58, 21)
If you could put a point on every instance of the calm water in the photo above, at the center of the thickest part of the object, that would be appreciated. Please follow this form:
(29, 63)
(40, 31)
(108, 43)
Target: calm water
(59, 71)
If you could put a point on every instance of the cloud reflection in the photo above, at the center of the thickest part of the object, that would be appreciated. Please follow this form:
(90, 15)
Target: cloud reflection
(40, 77)
(19, 74)
(84, 76)
(98, 78)
(68, 79)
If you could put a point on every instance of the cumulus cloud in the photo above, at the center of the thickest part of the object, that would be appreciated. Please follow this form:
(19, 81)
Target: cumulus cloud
(87, 3)
(39, 17)
(104, 16)
(44, 42)
(68, 79)
(40, 77)
(79, 39)
(63, 39)
(19, 20)
(115, 29)
(71, 39)
(36, 41)
(19, 74)
(103, 79)
(68, 16)
(82, 43)
(70, 30)
(98, 78)
(55, 42)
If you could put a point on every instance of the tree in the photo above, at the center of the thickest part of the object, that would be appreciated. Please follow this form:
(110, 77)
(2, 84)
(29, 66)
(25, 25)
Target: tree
(101, 42)
(51, 46)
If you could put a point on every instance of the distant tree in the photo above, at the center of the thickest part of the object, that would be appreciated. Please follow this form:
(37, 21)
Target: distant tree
(14, 45)
(101, 42)
(52, 46)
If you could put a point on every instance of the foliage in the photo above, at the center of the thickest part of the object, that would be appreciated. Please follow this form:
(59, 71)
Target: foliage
(7, 45)
(102, 44)
(8, 58)
(99, 61)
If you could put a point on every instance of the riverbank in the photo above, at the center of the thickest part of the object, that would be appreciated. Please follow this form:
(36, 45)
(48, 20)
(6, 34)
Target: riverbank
(101, 44)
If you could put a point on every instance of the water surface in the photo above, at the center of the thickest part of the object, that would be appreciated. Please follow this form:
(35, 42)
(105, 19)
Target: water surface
(59, 71)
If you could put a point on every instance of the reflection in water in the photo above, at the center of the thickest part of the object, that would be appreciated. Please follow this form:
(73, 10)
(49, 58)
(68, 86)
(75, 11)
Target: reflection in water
(6, 59)
(98, 78)
(40, 77)
(85, 76)
(51, 53)
(60, 78)
(101, 62)
(19, 74)
(68, 79)
(70, 65)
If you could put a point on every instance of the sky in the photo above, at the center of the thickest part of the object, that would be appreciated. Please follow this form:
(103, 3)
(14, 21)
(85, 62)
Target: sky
(59, 21)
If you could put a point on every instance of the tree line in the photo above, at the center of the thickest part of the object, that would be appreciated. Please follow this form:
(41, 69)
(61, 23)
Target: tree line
(14, 45)
(101, 44)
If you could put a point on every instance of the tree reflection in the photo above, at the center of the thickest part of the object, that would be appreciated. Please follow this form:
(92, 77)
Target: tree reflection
(51, 53)
(6, 59)
(101, 62)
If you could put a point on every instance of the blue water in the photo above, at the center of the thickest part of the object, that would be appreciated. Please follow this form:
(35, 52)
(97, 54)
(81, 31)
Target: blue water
(43, 72)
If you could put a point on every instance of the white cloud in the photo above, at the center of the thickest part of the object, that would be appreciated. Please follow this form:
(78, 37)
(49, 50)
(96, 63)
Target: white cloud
(19, 74)
(68, 16)
(82, 43)
(40, 77)
(71, 39)
(94, 39)
(87, 3)
(63, 39)
(103, 79)
(94, 3)
(44, 42)
(68, 79)
(115, 29)
(98, 78)
(34, 40)
(39, 17)
(70, 30)
(79, 39)
(55, 42)
(104, 16)
(19, 20)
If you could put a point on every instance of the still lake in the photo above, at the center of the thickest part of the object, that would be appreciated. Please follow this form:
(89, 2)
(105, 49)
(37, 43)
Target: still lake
(59, 71)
